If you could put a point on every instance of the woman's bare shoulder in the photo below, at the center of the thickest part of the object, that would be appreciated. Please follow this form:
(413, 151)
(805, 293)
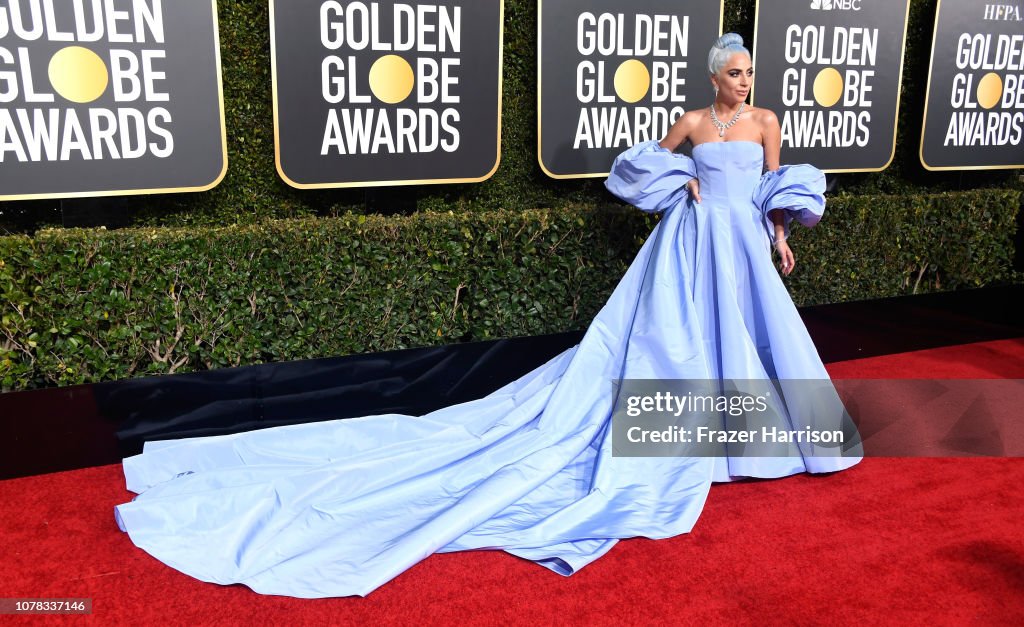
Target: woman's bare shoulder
(694, 116)
(689, 119)
(764, 117)
(681, 129)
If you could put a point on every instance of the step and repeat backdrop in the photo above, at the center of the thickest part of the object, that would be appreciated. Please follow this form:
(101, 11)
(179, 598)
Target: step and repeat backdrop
(386, 93)
(613, 73)
(974, 111)
(111, 97)
(831, 72)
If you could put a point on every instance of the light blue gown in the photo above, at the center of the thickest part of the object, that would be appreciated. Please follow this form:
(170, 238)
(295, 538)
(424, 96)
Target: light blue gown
(339, 508)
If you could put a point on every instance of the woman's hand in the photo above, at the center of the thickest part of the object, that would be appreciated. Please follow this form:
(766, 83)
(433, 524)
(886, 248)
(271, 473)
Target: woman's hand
(786, 259)
(694, 186)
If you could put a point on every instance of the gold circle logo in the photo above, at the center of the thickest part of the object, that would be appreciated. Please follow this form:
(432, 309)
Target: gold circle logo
(632, 80)
(990, 88)
(828, 87)
(78, 74)
(391, 79)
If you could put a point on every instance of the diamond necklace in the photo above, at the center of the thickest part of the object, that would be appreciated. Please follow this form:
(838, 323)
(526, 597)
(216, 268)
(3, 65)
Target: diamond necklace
(718, 123)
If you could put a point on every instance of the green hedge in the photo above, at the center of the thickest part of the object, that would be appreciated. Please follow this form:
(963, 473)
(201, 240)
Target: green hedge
(252, 190)
(90, 305)
(93, 305)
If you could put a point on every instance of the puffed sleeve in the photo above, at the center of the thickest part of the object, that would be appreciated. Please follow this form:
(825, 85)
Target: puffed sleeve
(650, 177)
(797, 189)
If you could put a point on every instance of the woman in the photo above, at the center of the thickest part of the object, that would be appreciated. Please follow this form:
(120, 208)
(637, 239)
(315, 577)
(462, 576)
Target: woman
(338, 508)
(732, 75)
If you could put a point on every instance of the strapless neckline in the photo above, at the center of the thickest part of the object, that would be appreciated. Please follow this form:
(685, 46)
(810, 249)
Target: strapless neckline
(732, 141)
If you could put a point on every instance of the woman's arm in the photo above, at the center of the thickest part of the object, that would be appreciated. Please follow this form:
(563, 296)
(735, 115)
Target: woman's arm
(677, 134)
(771, 135)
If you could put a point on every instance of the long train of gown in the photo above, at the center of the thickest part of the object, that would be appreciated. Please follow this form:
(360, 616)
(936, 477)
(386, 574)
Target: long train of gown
(340, 507)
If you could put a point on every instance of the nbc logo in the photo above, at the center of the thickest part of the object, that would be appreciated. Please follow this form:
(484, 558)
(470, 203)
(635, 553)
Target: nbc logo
(838, 5)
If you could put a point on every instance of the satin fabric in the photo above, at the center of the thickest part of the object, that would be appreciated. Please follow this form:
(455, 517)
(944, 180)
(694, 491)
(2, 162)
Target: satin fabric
(340, 507)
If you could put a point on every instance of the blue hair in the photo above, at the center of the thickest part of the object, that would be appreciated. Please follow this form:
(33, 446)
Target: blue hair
(726, 46)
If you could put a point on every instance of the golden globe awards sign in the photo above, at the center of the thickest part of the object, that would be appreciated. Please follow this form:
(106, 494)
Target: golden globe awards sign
(613, 73)
(831, 70)
(109, 97)
(386, 93)
(974, 108)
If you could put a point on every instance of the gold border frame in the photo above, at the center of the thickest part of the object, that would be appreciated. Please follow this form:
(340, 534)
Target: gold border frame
(387, 183)
(899, 89)
(540, 154)
(924, 115)
(162, 190)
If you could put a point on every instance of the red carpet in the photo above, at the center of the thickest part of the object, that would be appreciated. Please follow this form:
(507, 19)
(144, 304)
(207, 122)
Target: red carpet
(934, 541)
